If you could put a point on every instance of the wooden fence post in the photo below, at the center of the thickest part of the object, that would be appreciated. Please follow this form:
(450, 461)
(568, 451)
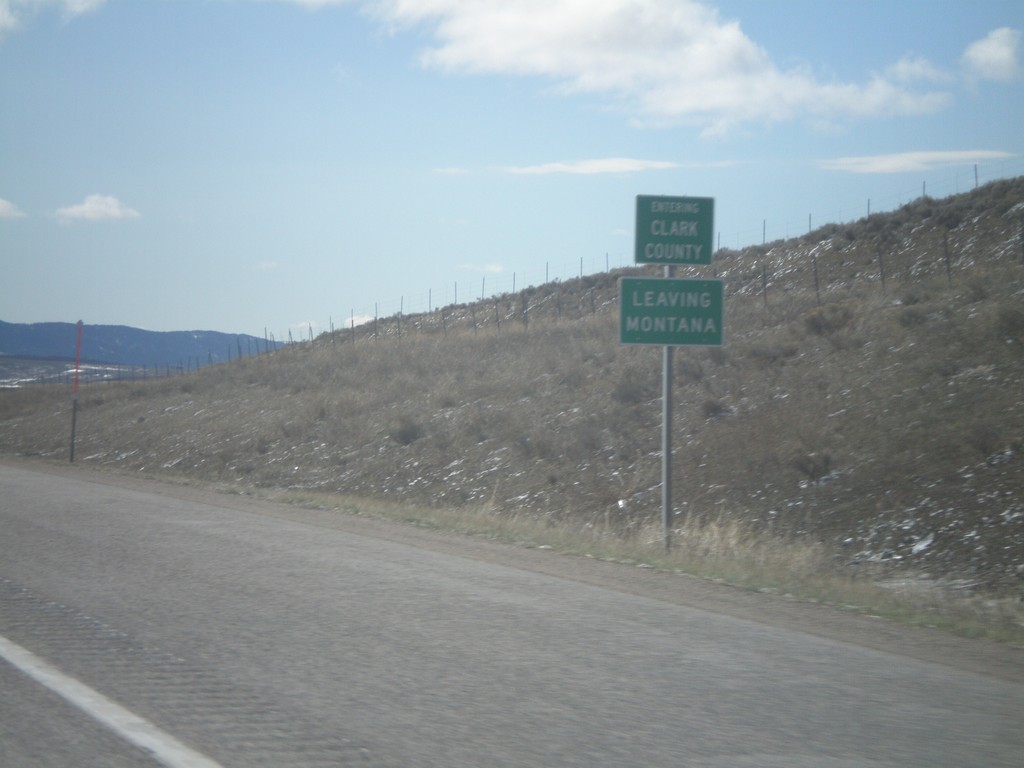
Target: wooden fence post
(817, 284)
(945, 251)
(881, 267)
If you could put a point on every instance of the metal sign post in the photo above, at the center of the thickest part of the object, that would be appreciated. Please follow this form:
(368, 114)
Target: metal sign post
(667, 312)
(74, 395)
(667, 357)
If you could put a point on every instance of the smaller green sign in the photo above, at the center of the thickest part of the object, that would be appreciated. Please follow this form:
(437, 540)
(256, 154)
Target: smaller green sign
(670, 312)
(674, 230)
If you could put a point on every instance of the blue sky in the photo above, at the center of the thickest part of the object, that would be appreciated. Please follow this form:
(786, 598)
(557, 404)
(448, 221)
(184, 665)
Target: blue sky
(236, 165)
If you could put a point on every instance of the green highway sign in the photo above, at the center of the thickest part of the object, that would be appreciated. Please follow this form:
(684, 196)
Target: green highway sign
(674, 230)
(670, 311)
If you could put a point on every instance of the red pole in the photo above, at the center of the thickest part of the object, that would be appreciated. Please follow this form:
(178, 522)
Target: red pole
(78, 357)
(74, 397)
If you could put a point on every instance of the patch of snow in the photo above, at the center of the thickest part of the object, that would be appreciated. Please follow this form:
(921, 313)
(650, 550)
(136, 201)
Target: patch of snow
(922, 544)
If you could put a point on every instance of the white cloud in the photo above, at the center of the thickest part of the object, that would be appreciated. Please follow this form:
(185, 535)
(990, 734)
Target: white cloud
(97, 208)
(78, 7)
(13, 12)
(994, 57)
(912, 69)
(9, 210)
(879, 97)
(667, 60)
(905, 162)
(663, 61)
(8, 21)
(602, 165)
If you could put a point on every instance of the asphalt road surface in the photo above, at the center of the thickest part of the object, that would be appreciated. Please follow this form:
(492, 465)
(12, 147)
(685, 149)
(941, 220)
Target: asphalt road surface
(251, 634)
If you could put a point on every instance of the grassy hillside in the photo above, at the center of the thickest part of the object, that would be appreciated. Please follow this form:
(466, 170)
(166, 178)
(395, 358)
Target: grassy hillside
(868, 401)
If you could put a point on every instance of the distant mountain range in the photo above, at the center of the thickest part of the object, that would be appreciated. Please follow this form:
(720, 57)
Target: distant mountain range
(122, 345)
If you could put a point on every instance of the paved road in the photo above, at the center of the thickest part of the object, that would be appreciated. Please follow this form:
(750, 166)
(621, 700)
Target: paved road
(39, 729)
(266, 636)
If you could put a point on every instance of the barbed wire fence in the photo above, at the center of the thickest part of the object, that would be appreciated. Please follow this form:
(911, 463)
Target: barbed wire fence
(387, 318)
(552, 291)
(941, 183)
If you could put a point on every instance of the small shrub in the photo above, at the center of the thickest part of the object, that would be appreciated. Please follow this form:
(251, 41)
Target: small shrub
(633, 389)
(814, 465)
(950, 218)
(827, 319)
(689, 368)
(768, 356)
(715, 409)
(977, 289)
(1010, 323)
(984, 438)
(320, 411)
(573, 379)
(407, 431)
(537, 447)
(911, 297)
(717, 355)
(912, 317)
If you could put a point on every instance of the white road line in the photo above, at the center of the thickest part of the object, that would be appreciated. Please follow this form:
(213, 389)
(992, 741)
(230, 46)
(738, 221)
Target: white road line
(129, 726)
